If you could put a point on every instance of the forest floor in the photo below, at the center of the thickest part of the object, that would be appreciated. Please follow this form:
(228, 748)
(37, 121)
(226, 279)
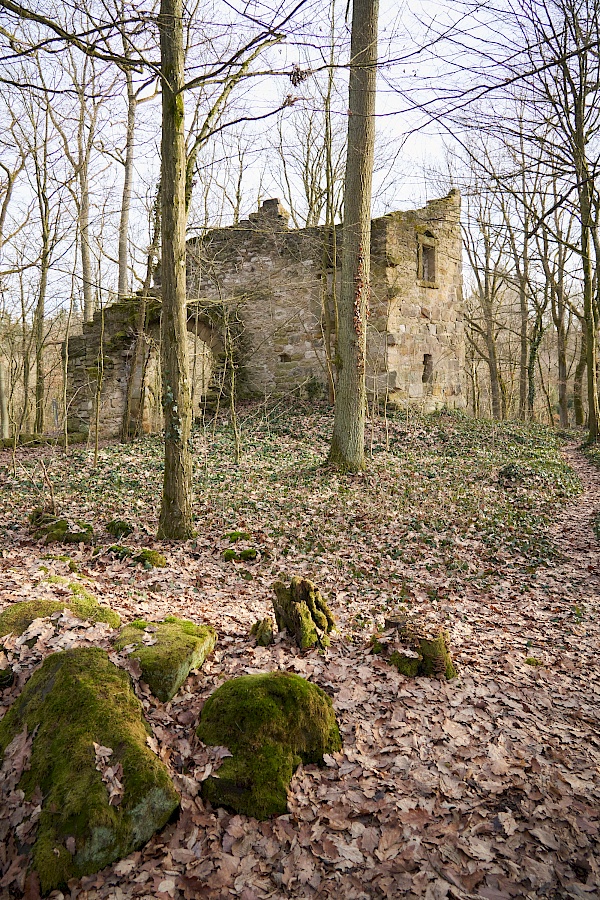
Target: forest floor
(486, 786)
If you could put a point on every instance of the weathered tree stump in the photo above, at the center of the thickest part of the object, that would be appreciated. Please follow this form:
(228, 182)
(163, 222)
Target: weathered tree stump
(262, 631)
(303, 613)
(415, 650)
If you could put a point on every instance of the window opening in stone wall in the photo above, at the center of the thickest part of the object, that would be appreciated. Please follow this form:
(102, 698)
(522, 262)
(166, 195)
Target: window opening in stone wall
(426, 258)
(427, 368)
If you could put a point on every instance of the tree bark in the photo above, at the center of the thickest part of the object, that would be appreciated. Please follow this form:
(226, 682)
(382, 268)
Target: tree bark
(347, 450)
(578, 380)
(122, 289)
(176, 510)
(4, 420)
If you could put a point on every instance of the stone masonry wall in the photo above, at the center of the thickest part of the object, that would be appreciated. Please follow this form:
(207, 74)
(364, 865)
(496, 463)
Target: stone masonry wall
(269, 285)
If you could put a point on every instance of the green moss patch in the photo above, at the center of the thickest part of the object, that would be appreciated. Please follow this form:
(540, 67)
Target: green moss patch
(249, 554)
(52, 528)
(234, 536)
(119, 528)
(270, 723)
(167, 651)
(303, 613)
(78, 698)
(150, 558)
(18, 617)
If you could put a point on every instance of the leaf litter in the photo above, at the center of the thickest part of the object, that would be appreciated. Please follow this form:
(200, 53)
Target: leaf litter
(486, 786)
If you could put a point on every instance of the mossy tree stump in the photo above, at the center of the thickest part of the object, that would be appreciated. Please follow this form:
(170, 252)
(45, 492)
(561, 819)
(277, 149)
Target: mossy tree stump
(167, 651)
(262, 632)
(270, 723)
(303, 613)
(78, 698)
(415, 650)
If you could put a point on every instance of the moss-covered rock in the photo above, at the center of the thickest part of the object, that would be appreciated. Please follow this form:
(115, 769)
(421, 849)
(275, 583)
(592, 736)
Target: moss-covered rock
(120, 551)
(234, 536)
(249, 554)
(167, 651)
(78, 698)
(229, 554)
(18, 617)
(119, 528)
(150, 558)
(303, 613)
(52, 528)
(262, 631)
(270, 723)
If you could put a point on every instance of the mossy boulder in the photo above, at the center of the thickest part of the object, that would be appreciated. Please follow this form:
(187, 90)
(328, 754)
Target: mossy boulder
(18, 617)
(270, 723)
(78, 698)
(303, 613)
(119, 528)
(262, 631)
(66, 531)
(167, 651)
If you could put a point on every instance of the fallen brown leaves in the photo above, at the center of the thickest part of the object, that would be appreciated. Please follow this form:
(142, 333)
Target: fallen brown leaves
(487, 786)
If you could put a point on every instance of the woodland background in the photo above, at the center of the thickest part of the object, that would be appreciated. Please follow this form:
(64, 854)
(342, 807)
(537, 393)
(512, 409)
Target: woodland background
(513, 122)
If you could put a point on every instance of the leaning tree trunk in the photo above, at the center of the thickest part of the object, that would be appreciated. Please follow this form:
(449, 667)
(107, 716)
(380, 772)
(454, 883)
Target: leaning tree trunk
(347, 450)
(176, 509)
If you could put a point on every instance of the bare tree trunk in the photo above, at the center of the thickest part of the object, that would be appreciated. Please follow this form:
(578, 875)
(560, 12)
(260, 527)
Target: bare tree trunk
(496, 390)
(4, 420)
(38, 327)
(176, 510)
(578, 380)
(347, 450)
(136, 360)
(534, 345)
(127, 187)
(84, 231)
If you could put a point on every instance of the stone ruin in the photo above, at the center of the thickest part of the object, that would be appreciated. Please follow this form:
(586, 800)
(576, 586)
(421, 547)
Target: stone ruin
(261, 302)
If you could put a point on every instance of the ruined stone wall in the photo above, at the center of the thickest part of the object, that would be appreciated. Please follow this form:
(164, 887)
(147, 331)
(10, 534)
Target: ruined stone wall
(268, 288)
(279, 280)
(425, 329)
(105, 350)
